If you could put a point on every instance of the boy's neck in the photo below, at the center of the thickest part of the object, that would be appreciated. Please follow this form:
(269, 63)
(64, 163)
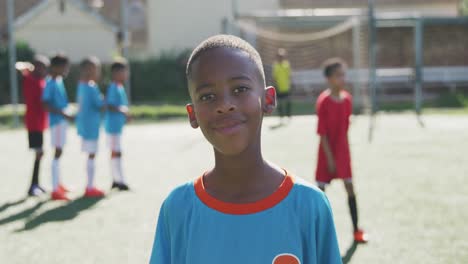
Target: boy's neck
(246, 177)
(335, 91)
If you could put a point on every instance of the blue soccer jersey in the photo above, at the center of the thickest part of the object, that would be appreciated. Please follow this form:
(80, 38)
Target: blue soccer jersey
(115, 96)
(294, 225)
(90, 102)
(55, 96)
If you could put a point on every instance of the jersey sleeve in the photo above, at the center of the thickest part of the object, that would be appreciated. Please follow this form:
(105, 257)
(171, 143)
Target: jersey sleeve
(161, 252)
(98, 101)
(112, 97)
(349, 111)
(48, 93)
(322, 118)
(326, 241)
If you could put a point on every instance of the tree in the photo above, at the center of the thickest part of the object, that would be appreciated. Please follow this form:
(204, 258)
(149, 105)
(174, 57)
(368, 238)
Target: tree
(464, 7)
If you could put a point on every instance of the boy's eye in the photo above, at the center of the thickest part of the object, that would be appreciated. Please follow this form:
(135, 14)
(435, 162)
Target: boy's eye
(206, 97)
(240, 89)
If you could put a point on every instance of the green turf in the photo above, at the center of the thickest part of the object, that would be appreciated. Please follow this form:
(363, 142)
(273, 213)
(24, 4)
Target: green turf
(411, 185)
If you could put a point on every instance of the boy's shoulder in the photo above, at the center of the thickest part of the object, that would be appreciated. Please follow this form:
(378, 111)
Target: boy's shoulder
(305, 188)
(180, 195)
(347, 95)
(323, 96)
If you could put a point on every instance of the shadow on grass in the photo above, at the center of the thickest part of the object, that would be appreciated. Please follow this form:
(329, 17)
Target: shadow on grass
(350, 252)
(281, 124)
(420, 120)
(9, 204)
(20, 215)
(65, 212)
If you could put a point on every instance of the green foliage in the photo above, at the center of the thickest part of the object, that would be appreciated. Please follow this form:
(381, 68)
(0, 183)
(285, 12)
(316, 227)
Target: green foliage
(464, 7)
(23, 53)
(452, 100)
(160, 79)
(139, 113)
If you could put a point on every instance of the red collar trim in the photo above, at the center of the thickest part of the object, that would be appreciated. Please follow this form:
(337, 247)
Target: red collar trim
(245, 208)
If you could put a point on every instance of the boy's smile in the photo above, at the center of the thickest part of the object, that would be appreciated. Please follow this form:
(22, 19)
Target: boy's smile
(229, 124)
(227, 92)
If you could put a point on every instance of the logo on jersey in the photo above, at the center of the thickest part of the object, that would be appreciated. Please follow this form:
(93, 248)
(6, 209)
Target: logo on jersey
(286, 258)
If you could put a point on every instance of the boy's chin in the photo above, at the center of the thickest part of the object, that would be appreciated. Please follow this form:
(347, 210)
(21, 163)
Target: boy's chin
(231, 149)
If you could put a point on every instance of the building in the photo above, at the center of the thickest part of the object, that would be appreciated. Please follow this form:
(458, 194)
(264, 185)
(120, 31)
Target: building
(76, 27)
(178, 24)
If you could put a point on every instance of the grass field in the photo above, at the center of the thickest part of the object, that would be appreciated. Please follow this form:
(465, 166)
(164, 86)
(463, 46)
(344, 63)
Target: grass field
(411, 183)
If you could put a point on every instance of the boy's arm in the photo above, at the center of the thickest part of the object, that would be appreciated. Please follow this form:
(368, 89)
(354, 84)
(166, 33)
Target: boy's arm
(98, 100)
(46, 97)
(57, 111)
(113, 103)
(120, 109)
(24, 67)
(322, 131)
(161, 252)
(328, 153)
(326, 240)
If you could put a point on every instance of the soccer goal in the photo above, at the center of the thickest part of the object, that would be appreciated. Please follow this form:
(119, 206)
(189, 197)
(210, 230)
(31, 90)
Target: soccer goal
(309, 40)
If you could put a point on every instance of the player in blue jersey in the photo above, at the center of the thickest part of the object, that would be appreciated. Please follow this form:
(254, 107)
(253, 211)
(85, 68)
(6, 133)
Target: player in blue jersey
(245, 209)
(116, 116)
(55, 101)
(88, 119)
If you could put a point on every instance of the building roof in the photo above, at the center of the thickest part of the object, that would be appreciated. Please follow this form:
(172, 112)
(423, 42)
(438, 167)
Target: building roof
(109, 14)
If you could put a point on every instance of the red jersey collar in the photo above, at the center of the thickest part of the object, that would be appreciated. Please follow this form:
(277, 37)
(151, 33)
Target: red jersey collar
(245, 208)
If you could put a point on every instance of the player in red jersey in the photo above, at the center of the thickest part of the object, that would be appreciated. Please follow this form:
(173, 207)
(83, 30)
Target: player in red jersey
(35, 117)
(334, 108)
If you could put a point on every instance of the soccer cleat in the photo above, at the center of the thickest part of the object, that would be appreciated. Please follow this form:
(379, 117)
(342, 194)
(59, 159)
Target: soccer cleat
(115, 185)
(62, 188)
(120, 186)
(59, 195)
(123, 187)
(360, 236)
(35, 190)
(93, 193)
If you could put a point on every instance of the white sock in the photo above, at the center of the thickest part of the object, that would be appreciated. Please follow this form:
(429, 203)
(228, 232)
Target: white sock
(90, 168)
(117, 173)
(55, 174)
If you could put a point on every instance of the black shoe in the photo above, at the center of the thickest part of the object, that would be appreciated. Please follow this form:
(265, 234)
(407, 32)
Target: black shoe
(123, 187)
(115, 185)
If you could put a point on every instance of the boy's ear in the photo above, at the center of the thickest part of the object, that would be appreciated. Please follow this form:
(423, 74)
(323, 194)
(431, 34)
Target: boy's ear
(191, 115)
(270, 100)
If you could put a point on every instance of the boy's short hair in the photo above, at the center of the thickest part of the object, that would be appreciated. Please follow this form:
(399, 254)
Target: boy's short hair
(41, 60)
(59, 60)
(331, 65)
(225, 41)
(85, 63)
(118, 65)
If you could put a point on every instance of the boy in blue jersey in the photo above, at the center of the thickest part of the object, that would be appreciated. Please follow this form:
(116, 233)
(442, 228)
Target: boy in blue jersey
(245, 209)
(55, 101)
(88, 119)
(116, 116)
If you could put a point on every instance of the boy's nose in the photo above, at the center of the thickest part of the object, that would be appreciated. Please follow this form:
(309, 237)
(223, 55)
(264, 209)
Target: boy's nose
(225, 105)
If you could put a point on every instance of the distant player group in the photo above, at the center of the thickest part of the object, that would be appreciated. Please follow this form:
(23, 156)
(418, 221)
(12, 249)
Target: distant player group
(46, 103)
